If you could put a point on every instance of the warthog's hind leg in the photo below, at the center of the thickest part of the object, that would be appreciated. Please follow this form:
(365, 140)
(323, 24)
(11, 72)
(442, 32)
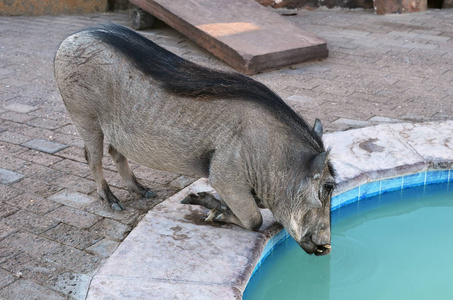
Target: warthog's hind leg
(219, 210)
(128, 176)
(93, 155)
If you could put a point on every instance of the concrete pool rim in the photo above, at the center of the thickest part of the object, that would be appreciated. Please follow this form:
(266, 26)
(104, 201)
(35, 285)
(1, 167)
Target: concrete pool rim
(168, 255)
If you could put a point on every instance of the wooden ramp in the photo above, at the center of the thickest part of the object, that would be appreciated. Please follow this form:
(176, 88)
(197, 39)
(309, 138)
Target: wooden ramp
(247, 36)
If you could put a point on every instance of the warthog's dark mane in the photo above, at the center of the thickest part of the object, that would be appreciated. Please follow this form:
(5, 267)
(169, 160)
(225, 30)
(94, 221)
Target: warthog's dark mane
(184, 78)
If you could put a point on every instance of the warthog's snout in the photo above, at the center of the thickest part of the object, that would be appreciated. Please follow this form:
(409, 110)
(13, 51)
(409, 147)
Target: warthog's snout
(312, 248)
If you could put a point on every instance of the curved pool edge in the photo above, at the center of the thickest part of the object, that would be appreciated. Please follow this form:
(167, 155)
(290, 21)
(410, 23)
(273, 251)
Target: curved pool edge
(173, 254)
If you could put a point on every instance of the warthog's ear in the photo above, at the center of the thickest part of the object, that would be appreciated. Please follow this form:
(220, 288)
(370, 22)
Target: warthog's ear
(317, 165)
(317, 128)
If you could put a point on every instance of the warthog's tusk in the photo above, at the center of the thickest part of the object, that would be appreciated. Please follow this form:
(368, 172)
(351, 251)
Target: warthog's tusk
(327, 246)
(318, 250)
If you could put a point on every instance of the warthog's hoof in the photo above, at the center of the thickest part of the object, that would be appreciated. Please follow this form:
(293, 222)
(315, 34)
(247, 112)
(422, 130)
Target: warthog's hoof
(117, 206)
(204, 199)
(141, 190)
(150, 194)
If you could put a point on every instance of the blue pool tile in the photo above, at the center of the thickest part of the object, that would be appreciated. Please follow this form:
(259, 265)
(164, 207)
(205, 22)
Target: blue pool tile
(369, 203)
(345, 198)
(437, 176)
(414, 180)
(436, 189)
(369, 189)
(392, 184)
(414, 192)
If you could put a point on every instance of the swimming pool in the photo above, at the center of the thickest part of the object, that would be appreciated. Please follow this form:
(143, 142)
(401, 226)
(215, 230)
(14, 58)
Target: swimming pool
(376, 254)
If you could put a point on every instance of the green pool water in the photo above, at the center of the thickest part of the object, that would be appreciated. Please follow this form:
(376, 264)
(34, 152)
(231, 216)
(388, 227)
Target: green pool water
(397, 245)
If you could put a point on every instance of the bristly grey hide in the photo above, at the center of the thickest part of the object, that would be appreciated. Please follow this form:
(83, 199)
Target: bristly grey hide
(167, 113)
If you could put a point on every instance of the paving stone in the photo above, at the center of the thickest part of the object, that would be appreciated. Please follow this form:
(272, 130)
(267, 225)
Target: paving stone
(73, 167)
(73, 199)
(35, 171)
(7, 192)
(128, 216)
(7, 210)
(73, 259)
(74, 217)
(29, 267)
(298, 98)
(47, 123)
(75, 183)
(20, 108)
(26, 289)
(12, 137)
(74, 285)
(103, 248)
(5, 278)
(16, 117)
(5, 230)
(73, 236)
(10, 149)
(154, 175)
(73, 153)
(181, 182)
(13, 164)
(45, 146)
(112, 229)
(29, 221)
(40, 158)
(29, 243)
(38, 187)
(34, 203)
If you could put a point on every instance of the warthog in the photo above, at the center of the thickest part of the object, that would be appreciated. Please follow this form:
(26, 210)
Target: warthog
(167, 113)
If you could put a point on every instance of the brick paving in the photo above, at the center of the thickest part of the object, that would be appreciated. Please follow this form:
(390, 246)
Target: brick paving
(55, 233)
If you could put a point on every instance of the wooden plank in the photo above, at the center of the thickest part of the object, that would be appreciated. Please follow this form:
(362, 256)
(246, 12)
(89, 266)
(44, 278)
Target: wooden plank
(247, 36)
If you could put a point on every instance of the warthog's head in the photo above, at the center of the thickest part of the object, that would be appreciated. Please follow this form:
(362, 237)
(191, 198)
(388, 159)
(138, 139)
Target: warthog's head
(303, 203)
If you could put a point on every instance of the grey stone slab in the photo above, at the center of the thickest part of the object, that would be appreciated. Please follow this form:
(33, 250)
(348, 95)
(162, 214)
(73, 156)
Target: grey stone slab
(378, 119)
(433, 141)
(350, 123)
(7, 176)
(20, 108)
(197, 253)
(132, 288)
(74, 199)
(376, 151)
(45, 146)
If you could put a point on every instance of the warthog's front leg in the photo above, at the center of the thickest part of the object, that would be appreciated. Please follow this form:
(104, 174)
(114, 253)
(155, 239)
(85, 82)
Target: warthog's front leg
(220, 212)
(234, 190)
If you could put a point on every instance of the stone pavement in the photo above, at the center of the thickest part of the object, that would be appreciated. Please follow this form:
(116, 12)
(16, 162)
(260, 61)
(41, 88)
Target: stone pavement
(55, 234)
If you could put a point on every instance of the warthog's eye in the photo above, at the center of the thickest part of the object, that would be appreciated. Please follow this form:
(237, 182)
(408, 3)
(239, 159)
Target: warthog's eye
(327, 189)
